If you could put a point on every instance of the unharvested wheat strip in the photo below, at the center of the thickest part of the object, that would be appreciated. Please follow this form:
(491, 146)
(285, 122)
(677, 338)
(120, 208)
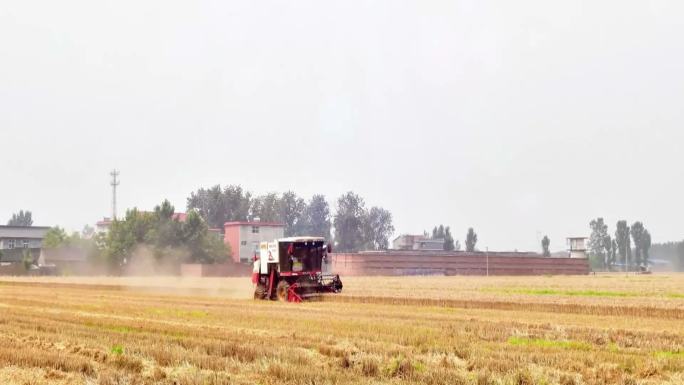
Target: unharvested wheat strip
(615, 310)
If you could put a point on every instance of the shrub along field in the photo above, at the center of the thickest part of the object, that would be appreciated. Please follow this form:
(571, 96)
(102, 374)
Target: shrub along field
(605, 329)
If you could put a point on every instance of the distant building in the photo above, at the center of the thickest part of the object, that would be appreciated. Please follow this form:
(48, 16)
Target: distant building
(429, 244)
(15, 240)
(65, 260)
(417, 242)
(577, 247)
(103, 226)
(406, 241)
(244, 237)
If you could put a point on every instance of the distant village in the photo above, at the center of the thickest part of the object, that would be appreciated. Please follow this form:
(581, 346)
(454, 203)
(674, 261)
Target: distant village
(242, 238)
(199, 242)
(22, 248)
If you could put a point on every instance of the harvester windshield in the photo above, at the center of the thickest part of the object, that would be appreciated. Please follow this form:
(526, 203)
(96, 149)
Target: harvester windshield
(302, 255)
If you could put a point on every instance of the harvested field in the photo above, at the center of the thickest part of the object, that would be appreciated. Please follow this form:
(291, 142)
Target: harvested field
(605, 329)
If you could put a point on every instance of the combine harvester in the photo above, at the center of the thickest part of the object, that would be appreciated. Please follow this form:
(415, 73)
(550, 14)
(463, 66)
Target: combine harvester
(291, 270)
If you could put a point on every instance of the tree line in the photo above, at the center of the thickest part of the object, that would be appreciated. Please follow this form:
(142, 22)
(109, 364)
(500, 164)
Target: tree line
(21, 219)
(450, 244)
(672, 252)
(444, 232)
(610, 252)
(158, 235)
(353, 226)
(233, 203)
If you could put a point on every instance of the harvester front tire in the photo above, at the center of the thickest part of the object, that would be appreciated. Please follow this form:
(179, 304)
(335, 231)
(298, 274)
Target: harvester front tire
(282, 290)
(260, 292)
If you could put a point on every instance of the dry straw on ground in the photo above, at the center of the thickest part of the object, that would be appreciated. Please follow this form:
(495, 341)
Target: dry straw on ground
(611, 329)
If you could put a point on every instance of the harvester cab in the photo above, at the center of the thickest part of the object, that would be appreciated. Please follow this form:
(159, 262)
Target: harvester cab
(291, 269)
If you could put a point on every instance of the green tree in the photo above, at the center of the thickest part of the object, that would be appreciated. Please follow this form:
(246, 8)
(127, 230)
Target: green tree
(471, 240)
(124, 236)
(438, 232)
(218, 206)
(637, 231)
(597, 241)
(610, 253)
(680, 256)
(646, 247)
(349, 222)
(444, 232)
(237, 203)
(622, 240)
(22, 218)
(171, 241)
(317, 217)
(292, 213)
(55, 237)
(210, 204)
(449, 244)
(378, 228)
(267, 208)
(546, 242)
(630, 261)
(27, 259)
(201, 245)
(92, 244)
(165, 231)
(193, 231)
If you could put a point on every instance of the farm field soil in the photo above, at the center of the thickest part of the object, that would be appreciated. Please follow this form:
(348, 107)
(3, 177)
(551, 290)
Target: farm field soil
(604, 329)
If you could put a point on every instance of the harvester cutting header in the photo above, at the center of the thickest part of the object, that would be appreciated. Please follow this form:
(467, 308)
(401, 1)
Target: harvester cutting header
(291, 269)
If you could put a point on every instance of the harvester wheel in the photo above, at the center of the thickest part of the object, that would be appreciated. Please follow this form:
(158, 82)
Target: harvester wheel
(260, 292)
(281, 290)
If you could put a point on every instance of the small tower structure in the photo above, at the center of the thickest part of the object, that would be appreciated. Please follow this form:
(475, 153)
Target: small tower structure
(577, 247)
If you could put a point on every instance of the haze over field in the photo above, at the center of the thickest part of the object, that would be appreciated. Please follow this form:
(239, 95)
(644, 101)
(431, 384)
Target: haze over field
(516, 118)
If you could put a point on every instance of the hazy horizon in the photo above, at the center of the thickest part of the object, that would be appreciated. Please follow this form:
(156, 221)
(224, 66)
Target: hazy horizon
(518, 119)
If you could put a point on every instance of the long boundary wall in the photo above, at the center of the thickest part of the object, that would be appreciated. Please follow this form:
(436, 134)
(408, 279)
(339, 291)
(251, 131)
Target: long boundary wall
(454, 263)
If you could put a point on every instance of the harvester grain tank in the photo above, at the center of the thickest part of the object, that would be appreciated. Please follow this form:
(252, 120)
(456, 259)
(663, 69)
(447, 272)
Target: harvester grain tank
(291, 269)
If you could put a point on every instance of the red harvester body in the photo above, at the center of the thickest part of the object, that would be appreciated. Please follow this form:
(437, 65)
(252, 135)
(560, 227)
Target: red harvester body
(291, 269)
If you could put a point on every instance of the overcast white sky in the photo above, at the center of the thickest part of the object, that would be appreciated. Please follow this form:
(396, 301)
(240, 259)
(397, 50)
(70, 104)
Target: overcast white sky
(519, 118)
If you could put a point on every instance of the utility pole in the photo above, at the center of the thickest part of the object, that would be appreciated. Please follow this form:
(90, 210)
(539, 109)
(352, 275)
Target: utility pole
(115, 182)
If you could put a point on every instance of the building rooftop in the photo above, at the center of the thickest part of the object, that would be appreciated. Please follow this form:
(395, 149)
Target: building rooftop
(422, 236)
(431, 240)
(25, 227)
(253, 223)
(35, 232)
(302, 239)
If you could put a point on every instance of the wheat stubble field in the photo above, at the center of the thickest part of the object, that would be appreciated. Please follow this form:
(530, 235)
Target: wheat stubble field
(604, 329)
